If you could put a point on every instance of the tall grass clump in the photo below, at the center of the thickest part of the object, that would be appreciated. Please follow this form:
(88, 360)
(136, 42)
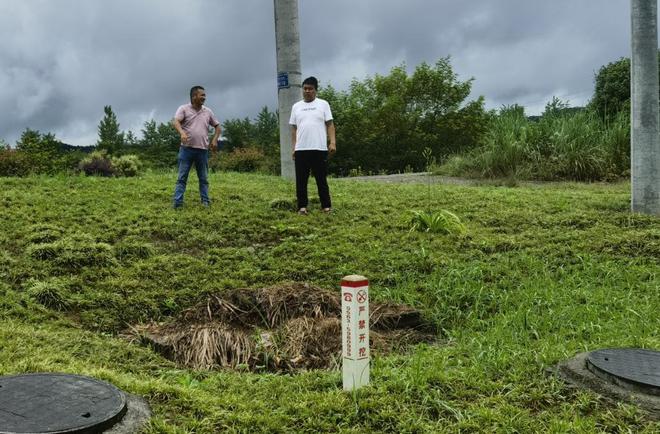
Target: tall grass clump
(616, 141)
(52, 294)
(575, 146)
(564, 143)
(506, 144)
(440, 222)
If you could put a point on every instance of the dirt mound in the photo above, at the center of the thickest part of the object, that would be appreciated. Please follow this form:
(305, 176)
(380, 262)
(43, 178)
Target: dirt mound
(281, 328)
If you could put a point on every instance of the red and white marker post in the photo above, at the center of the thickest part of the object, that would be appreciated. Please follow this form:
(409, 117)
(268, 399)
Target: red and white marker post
(355, 331)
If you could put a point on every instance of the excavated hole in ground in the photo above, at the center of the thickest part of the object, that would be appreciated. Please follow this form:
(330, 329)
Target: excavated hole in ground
(285, 328)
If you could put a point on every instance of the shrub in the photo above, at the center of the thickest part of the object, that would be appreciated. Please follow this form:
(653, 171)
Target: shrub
(241, 160)
(127, 165)
(97, 163)
(13, 163)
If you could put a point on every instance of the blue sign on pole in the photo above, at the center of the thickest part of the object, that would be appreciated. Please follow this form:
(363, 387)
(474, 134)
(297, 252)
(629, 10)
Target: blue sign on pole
(282, 80)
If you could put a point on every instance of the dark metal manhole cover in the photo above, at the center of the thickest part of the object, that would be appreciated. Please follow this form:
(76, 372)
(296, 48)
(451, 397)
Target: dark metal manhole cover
(633, 368)
(58, 403)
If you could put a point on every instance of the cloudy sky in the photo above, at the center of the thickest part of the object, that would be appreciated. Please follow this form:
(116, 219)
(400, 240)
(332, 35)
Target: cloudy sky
(61, 61)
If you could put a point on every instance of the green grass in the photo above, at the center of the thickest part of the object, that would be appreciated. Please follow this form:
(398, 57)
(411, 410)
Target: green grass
(542, 273)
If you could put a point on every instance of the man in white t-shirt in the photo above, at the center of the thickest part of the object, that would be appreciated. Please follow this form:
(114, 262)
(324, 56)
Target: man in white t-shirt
(311, 126)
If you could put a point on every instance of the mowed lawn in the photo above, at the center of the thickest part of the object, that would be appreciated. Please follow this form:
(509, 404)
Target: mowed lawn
(544, 272)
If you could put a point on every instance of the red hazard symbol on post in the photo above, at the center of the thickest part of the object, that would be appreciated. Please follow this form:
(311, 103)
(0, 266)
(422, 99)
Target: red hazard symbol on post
(362, 296)
(348, 296)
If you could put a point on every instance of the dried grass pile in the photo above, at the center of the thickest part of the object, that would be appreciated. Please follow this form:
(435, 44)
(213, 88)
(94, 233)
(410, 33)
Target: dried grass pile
(282, 328)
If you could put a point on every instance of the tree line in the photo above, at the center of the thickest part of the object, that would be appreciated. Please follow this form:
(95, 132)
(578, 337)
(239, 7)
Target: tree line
(385, 124)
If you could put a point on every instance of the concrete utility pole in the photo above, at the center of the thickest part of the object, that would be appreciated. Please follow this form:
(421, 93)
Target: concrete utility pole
(645, 119)
(288, 75)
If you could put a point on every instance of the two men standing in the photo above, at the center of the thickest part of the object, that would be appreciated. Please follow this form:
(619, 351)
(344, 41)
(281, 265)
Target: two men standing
(311, 126)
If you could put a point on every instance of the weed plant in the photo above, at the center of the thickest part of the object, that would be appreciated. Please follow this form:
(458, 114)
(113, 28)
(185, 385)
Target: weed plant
(545, 272)
(440, 221)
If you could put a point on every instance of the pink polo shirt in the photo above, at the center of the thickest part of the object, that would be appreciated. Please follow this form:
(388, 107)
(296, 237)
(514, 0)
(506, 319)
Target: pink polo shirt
(196, 125)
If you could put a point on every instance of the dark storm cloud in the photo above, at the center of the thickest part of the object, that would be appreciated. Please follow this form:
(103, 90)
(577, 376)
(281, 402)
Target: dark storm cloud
(517, 50)
(63, 60)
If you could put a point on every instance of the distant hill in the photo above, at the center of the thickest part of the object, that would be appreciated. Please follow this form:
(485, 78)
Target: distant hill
(65, 147)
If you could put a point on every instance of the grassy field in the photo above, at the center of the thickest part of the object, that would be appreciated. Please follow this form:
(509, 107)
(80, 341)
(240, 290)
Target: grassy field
(542, 273)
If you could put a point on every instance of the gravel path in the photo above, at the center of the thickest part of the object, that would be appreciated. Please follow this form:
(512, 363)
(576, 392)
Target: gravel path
(413, 178)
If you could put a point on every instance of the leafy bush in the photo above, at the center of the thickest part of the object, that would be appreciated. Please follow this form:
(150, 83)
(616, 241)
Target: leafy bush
(127, 165)
(97, 163)
(240, 160)
(42, 151)
(13, 163)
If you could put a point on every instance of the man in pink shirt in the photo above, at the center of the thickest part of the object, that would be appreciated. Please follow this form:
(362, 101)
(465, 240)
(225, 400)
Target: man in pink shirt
(192, 121)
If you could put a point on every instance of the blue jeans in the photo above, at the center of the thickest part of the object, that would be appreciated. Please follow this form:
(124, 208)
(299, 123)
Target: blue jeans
(188, 157)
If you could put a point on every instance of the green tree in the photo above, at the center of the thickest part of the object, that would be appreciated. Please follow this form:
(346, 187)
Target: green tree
(130, 140)
(612, 89)
(267, 131)
(110, 137)
(238, 132)
(42, 151)
(160, 143)
(385, 122)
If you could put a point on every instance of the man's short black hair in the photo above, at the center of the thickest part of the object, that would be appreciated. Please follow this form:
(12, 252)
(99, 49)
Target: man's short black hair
(312, 81)
(194, 90)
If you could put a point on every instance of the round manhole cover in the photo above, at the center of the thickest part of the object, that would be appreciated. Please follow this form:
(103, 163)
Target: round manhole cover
(58, 403)
(636, 368)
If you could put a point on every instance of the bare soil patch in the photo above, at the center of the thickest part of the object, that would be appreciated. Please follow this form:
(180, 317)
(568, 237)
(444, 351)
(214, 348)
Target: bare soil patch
(283, 328)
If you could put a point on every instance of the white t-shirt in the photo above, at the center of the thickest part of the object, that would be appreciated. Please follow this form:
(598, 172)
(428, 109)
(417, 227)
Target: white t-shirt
(309, 119)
